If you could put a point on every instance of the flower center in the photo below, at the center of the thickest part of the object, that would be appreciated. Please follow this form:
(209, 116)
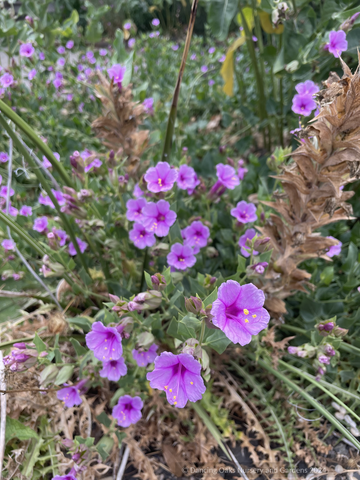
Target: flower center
(161, 218)
(160, 182)
(181, 259)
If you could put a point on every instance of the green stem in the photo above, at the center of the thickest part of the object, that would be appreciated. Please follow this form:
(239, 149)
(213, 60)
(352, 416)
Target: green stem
(320, 408)
(22, 150)
(259, 81)
(318, 384)
(202, 333)
(19, 122)
(172, 115)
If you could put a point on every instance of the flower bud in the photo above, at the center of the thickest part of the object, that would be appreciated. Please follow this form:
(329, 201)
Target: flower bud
(230, 161)
(222, 148)
(321, 371)
(293, 350)
(321, 327)
(158, 282)
(340, 332)
(193, 304)
(211, 252)
(324, 359)
(192, 347)
(328, 350)
(67, 442)
(328, 327)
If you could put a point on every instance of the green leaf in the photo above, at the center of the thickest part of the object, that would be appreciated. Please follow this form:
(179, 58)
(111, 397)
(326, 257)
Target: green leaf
(241, 266)
(148, 280)
(220, 16)
(83, 322)
(327, 275)
(39, 344)
(64, 375)
(310, 310)
(351, 258)
(79, 349)
(15, 429)
(104, 446)
(217, 340)
(211, 298)
(175, 233)
(265, 256)
(104, 419)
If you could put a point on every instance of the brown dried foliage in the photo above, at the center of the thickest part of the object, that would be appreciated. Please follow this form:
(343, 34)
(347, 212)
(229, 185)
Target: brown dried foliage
(118, 127)
(326, 159)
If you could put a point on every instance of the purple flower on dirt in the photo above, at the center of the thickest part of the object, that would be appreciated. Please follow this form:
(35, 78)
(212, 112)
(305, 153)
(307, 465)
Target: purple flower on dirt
(116, 73)
(179, 376)
(6, 80)
(131, 42)
(307, 88)
(238, 311)
(69, 44)
(334, 249)
(248, 235)
(337, 43)
(186, 178)
(82, 245)
(140, 237)
(105, 342)
(303, 104)
(61, 61)
(8, 244)
(158, 218)
(155, 22)
(61, 235)
(160, 178)
(196, 234)
(4, 157)
(40, 224)
(227, 176)
(244, 212)
(102, 52)
(41, 56)
(71, 395)
(134, 209)
(60, 50)
(204, 68)
(114, 370)
(32, 74)
(149, 105)
(26, 211)
(181, 256)
(211, 50)
(128, 410)
(26, 50)
(144, 358)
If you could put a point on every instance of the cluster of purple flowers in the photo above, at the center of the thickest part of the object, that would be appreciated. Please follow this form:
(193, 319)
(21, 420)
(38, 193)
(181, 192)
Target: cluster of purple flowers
(303, 102)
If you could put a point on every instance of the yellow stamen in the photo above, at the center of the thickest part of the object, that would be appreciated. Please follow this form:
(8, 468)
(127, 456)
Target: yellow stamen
(166, 387)
(170, 390)
(191, 383)
(175, 403)
(254, 316)
(246, 311)
(246, 320)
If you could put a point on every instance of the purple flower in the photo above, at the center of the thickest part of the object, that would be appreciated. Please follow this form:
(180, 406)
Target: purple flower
(293, 350)
(68, 476)
(8, 244)
(137, 192)
(238, 311)
(57, 83)
(248, 235)
(102, 52)
(329, 351)
(114, 370)
(181, 256)
(222, 58)
(40, 224)
(81, 107)
(105, 342)
(193, 56)
(32, 74)
(143, 358)
(61, 61)
(337, 43)
(71, 395)
(127, 26)
(158, 218)
(175, 47)
(254, 38)
(149, 105)
(155, 22)
(26, 50)
(60, 50)
(69, 97)
(96, 163)
(227, 176)
(196, 235)
(26, 211)
(69, 44)
(4, 157)
(116, 73)
(259, 267)
(89, 54)
(80, 67)
(128, 410)
(160, 178)
(211, 83)
(244, 212)
(179, 376)
(307, 88)
(46, 201)
(204, 68)
(211, 50)
(324, 359)
(186, 178)
(131, 42)
(334, 249)
(140, 237)
(6, 80)
(134, 209)
(41, 56)
(303, 104)
(82, 245)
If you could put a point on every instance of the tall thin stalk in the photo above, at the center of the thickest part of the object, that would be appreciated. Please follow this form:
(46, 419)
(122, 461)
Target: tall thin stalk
(173, 110)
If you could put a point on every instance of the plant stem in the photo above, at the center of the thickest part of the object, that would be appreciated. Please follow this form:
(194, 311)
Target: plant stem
(23, 151)
(19, 122)
(174, 105)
